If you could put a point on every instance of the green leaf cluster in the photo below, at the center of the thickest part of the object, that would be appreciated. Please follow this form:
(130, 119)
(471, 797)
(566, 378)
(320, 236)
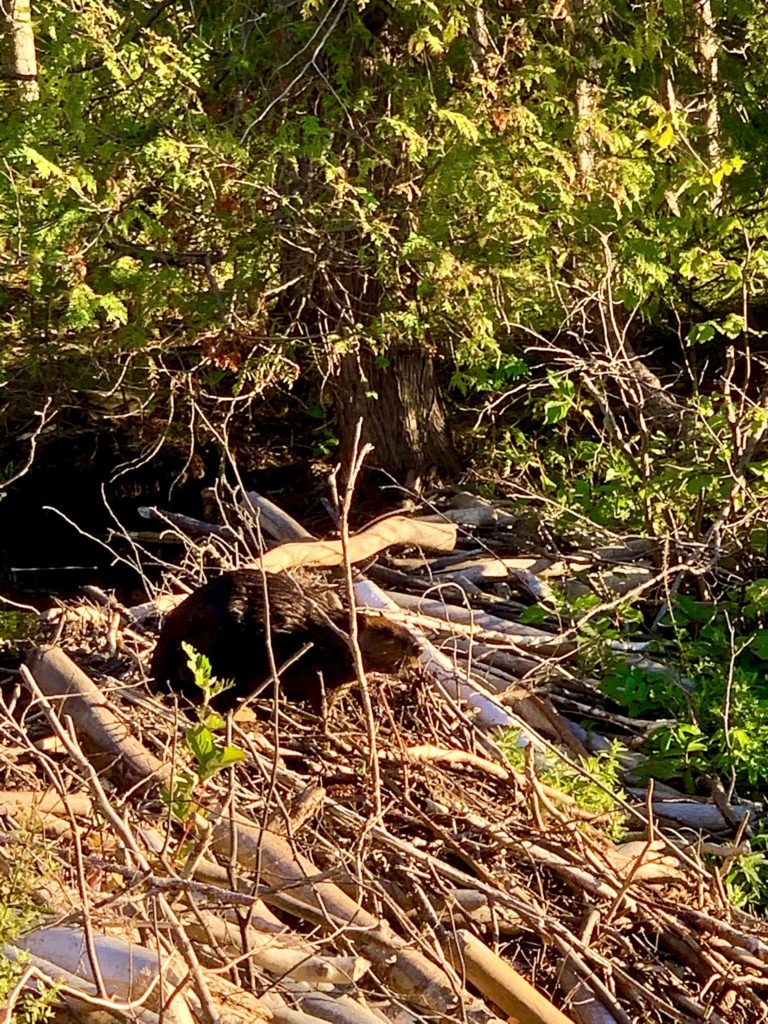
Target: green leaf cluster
(594, 782)
(712, 709)
(210, 756)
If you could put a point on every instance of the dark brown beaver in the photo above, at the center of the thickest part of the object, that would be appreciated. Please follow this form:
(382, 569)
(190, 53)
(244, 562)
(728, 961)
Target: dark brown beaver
(225, 620)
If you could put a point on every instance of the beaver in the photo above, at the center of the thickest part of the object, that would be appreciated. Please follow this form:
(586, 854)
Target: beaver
(226, 619)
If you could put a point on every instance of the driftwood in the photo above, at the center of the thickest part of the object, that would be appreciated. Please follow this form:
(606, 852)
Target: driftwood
(274, 861)
(581, 1001)
(316, 1006)
(467, 616)
(699, 816)
(75, 696)
(483, 515)
(365, 544)
(186, 524)
(500, 982)
(282, 956)
(127, 970)
(29, 803)
(477, 655)
(80, 994)
(477, 570)
(161, 605)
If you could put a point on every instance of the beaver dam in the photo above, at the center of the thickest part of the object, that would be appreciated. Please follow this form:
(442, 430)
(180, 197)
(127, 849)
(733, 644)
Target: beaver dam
(448, 819)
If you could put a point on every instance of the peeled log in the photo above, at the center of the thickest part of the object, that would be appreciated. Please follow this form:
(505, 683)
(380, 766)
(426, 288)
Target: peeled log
(278, 865)
(501, 983)
(73, 694)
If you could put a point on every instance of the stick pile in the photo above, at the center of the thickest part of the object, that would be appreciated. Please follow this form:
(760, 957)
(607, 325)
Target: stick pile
(384, 862)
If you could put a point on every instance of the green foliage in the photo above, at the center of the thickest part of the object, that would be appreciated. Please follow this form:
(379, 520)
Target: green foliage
(19, 882)
(200, 667)
(593, 783)
(17, 626)
(210, 756)
(746, 880)
(30, 1008)
(402, 154)
(20, 910)
(679, 753)
(643, 692)
(718, 702)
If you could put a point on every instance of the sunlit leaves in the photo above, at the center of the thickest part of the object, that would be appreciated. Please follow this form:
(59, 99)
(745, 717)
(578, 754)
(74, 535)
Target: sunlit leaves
(465, 128)
(85, 308)
(557, 408)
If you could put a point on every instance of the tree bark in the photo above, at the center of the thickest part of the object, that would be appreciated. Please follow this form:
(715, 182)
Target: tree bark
(18, 60)
(584, 28)
(708, 51)
(402, 413)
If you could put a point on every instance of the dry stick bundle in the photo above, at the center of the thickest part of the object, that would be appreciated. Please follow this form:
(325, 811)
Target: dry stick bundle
(408, 971)
(582, 879)
(405, 970)
(270, 856)
(714, 957)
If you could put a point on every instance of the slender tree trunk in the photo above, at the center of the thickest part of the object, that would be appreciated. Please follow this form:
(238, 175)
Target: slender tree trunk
(708, 51)
(583, 31)
(18, 60)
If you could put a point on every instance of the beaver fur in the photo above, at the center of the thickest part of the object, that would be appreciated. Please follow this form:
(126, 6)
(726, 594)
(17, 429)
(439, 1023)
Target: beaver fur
(226, 619)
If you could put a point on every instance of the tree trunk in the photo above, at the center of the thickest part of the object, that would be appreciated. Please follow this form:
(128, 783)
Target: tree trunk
(708, 50)
(585, 36)
(18, 60)
(402, 413)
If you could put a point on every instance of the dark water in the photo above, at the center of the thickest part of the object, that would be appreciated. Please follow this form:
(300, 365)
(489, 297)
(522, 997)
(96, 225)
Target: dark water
(43, 556)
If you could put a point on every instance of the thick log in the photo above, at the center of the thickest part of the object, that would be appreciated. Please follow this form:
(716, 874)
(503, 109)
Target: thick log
(397, 530)
(77, 697)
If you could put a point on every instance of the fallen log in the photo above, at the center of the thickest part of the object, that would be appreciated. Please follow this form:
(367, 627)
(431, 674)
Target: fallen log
(77, 697)
(398, 530)
(273, 521)
(28, 802)
(276, 864)
(282, 956)
(188, 525)
(467, 616)
(500, 982)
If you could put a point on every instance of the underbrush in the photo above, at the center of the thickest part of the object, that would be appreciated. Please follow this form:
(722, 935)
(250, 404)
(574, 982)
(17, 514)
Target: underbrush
(711, 706)
(593, 783)
(716, 696)
(20, 910)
